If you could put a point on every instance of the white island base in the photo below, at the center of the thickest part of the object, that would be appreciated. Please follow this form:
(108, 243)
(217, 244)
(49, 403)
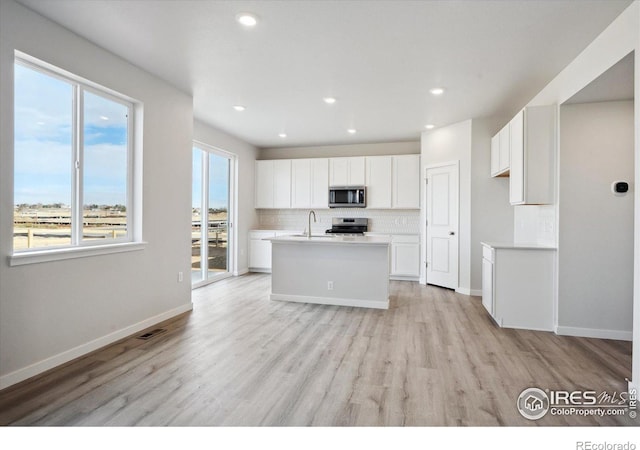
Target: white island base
(344, 271)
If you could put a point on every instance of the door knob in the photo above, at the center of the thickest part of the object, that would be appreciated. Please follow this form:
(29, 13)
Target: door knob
(452, 233)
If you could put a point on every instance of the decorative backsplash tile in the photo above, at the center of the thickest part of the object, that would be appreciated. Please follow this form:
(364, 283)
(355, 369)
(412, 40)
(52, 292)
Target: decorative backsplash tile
(380, 221)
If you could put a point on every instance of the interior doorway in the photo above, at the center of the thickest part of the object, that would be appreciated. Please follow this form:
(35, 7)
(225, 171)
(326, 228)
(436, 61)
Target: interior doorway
(212, 242)
(442, 217)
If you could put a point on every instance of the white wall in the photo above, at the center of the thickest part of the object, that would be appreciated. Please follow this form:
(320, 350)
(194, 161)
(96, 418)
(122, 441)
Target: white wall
(613, 44)
(246, 214)
(491, 212)
(595, 260)
(485, 212)
(52, 312)
(330, 151)
(446, 144)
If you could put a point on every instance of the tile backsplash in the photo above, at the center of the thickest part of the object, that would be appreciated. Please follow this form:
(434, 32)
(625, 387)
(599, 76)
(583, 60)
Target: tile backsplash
(535, 224)
(380, 221)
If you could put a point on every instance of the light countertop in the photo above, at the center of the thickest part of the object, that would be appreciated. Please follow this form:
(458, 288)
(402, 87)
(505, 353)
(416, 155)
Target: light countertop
(331, 240)
(518, 246)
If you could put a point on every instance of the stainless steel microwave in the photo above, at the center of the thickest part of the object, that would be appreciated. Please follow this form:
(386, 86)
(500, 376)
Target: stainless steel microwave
(347, 197)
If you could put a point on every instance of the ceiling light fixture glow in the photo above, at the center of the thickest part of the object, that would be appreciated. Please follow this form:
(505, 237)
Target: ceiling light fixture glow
(283, 135)
(239, 108)
(351, 131)
(329, 100)
(247, 19)
(430, 126)
(104, 117)
(437, 91)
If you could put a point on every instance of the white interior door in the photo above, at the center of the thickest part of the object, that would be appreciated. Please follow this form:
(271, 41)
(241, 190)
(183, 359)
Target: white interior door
(442, 226)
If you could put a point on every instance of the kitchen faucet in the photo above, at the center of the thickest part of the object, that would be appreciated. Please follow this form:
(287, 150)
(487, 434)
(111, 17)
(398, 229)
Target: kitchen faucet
(314, 219)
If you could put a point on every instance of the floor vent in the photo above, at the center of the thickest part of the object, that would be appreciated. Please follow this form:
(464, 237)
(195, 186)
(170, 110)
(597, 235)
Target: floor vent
(152, 333)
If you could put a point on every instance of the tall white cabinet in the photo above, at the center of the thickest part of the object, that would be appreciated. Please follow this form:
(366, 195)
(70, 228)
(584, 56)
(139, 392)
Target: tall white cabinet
(533, 149)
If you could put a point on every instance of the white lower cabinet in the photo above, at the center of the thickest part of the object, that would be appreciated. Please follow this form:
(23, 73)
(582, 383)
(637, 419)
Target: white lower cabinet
(260, 249)
(405, 256)
(518, 285)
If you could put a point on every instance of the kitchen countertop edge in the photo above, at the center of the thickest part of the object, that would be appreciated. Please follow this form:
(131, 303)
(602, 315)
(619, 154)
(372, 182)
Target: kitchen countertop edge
(517, 246)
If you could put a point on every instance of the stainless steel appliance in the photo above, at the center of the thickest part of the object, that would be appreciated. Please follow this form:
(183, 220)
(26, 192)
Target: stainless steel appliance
(347, 197)
(349, 226)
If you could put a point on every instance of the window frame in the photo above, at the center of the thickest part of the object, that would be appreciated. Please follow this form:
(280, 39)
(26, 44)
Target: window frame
(80, 247)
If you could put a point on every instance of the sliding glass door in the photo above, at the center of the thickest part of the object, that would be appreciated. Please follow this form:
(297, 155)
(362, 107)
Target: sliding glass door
(211, 227)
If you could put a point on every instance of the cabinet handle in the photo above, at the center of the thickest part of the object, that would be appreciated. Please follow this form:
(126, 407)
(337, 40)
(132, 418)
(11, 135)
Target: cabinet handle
(452, 233)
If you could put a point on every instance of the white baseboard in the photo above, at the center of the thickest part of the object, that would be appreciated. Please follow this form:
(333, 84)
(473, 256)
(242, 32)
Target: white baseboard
(253, 269)
(403, 278)
(595, 333)
(240, 272)
(331, 301)
(467, 291)
(81, 350)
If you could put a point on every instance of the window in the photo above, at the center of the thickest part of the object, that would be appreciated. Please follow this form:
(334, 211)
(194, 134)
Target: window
(73, 162)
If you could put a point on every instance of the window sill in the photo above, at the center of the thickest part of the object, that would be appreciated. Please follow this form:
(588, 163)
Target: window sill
(59, 254)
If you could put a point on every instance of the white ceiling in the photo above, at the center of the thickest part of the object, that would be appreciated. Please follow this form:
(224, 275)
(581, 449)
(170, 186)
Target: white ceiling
(378, 58)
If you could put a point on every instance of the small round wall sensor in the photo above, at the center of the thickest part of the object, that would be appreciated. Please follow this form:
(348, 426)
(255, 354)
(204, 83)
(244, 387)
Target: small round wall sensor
(620, 187)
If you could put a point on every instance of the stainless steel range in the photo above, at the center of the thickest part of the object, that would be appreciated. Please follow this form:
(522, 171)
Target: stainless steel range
(349, 226)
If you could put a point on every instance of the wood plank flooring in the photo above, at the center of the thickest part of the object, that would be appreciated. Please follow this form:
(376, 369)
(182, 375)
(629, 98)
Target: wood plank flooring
(434, 358)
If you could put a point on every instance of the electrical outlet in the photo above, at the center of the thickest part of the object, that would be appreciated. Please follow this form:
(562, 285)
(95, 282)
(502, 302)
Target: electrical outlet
(330, 285)
(180, 277)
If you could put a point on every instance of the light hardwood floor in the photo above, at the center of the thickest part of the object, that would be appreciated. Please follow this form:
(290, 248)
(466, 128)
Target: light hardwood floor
(434, 358)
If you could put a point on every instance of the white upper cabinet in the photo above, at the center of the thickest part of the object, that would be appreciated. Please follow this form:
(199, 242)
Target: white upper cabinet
(319, 183)
(495, 155)
(347, 171)
(379, 175)
(393, 182)
(273, 184)
(282, 183)
(310, 183)
(533, 150)
(516, 180)
(264, 184)
(406, 182)
(500, 152)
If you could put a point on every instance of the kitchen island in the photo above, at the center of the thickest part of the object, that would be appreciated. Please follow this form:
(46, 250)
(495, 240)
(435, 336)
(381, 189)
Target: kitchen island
(331, 270)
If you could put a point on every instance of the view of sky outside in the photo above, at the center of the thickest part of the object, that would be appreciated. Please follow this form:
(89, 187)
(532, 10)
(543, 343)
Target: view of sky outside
(43, 143)
(43, 138)
(218, 180)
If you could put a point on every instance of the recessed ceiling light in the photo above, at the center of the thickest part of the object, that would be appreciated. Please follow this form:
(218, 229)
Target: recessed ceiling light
(283, 135)
(329, 100)
(247, 19)
(437, 91)
(239, 108)
(430, 126)
(104, 117)
(351, 131)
